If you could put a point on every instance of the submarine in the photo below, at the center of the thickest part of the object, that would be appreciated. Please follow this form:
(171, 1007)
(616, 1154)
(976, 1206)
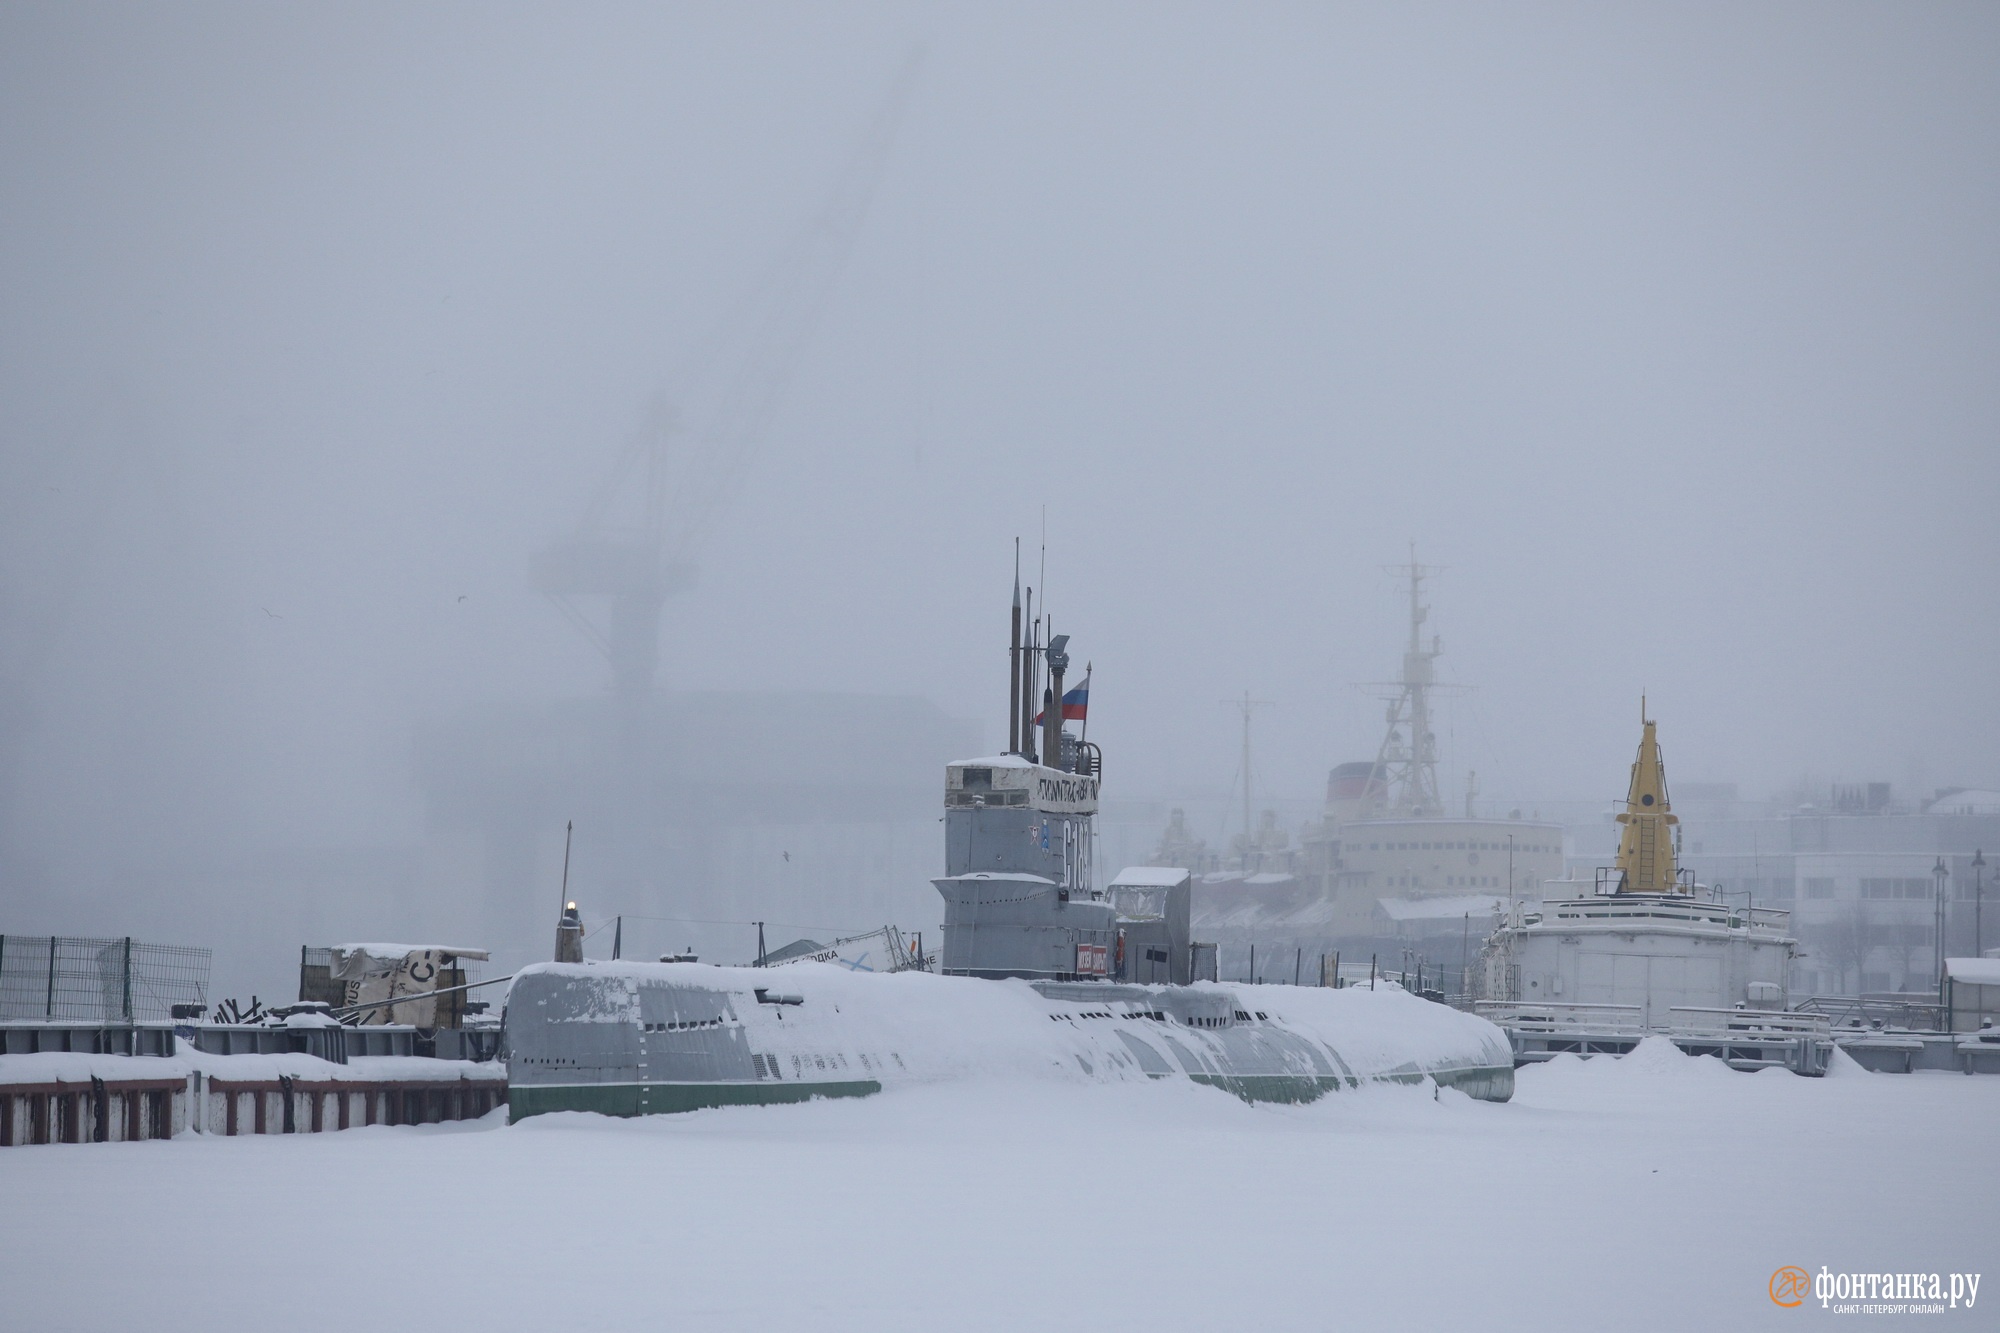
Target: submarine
(1043, 975)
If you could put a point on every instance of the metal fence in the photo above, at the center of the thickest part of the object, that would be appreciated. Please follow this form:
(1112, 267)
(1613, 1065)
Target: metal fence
(70, 979)
(1846, 1012)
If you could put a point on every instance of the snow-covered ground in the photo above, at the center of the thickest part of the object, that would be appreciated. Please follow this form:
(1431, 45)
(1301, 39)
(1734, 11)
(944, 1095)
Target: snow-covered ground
(1654, 1192)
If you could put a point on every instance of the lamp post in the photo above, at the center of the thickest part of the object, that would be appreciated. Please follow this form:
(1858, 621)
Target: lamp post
(1978, 903)
(1939, 873)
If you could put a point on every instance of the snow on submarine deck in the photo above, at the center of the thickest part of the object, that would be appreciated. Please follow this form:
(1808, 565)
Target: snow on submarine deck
(642, 1038)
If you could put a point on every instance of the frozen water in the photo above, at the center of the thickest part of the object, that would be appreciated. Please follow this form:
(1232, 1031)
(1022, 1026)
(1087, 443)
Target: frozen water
(1656, 1192)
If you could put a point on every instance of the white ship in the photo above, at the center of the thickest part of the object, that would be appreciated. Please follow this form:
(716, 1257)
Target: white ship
(1644, 949)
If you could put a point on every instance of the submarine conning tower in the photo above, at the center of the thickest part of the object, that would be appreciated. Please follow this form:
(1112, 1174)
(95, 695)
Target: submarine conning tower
(1647, 862)
(1020, 899)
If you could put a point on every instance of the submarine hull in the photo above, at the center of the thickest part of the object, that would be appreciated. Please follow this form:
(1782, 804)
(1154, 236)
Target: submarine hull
(651, 1038)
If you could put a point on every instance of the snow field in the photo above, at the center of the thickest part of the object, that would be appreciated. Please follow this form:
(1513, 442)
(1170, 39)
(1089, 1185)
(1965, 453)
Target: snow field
(1654, 1192)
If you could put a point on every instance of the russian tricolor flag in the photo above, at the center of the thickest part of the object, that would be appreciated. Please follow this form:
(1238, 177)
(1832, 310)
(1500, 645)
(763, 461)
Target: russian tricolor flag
(1076, 703)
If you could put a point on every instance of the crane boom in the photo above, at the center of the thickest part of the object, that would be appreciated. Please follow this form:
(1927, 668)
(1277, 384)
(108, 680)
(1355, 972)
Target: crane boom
(679, 470)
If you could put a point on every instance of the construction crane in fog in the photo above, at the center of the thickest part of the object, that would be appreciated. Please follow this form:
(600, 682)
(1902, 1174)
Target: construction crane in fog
(636, 543)
(1245, 704)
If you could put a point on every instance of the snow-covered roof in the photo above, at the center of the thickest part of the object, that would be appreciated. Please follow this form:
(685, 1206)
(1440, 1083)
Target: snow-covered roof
(1441, 909)
(1149, 877)
(1974, 971)
(994, 761)
(1315, 912)
(1964, 801)
(1264, 884)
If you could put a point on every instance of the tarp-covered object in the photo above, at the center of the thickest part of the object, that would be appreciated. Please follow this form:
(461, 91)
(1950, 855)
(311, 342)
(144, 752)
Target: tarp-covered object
(372, 973)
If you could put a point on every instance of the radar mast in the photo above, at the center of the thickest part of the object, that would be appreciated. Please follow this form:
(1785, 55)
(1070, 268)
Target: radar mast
(1406, 765)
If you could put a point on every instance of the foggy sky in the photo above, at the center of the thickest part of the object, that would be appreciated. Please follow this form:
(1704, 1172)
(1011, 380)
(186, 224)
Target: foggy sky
(1670, 333)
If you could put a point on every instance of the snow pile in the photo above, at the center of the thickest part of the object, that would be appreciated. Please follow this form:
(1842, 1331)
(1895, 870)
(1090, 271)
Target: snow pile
(1383, 1031)
(1655, 1057)
(1658, 1057)
(75, 1067)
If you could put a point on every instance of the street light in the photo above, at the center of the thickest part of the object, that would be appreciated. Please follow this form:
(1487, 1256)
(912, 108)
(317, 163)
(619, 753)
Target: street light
(1978, 903)
(1939, 873)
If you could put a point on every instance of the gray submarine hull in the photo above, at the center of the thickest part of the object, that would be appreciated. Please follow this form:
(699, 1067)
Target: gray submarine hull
(647, 1038)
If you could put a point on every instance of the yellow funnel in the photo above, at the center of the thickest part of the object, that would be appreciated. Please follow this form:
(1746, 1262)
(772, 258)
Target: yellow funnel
(1646, 849)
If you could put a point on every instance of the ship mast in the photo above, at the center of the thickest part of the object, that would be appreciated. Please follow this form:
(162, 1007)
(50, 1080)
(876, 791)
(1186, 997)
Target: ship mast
(1406, 765)
(1246, 703)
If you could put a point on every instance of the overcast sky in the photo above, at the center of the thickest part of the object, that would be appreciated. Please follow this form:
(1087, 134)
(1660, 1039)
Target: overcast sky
(1672, 333)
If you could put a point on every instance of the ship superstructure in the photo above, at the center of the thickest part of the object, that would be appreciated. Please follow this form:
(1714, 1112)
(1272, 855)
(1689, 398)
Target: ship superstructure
(1392, 864)
(1642, 948)
(1392, 840)
(1020, 898)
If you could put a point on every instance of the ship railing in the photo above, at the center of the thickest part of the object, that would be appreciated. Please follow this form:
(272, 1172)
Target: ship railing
(1766, 920)
(1692, 1021)
(1604, 1018)
(1630, 1020)
(1851, 1014)
(1694, 911)
(1089, 760)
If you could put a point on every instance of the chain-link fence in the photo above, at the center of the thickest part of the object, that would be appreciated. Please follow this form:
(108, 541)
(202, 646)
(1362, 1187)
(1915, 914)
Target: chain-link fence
(69, 979)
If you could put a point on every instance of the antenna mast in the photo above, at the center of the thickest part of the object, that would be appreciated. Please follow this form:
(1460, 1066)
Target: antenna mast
(1024, 744)
(1014, 663)
(569, 829)
(1246, 704)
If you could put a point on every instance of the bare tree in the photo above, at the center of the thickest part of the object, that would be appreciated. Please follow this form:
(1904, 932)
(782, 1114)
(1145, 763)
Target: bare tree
(1844, 941)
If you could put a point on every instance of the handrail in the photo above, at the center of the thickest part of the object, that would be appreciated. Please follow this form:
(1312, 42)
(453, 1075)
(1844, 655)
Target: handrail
(1744, 1022)
(1849, 1012)
(1624, 1018)
(1627, 1019)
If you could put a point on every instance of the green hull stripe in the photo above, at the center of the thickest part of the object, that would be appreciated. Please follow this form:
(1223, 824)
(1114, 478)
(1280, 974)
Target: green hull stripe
(1488, 1084)
(524, 1100)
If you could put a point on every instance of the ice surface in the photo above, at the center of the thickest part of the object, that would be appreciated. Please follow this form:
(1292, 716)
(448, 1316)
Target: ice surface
(1658, 1192)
